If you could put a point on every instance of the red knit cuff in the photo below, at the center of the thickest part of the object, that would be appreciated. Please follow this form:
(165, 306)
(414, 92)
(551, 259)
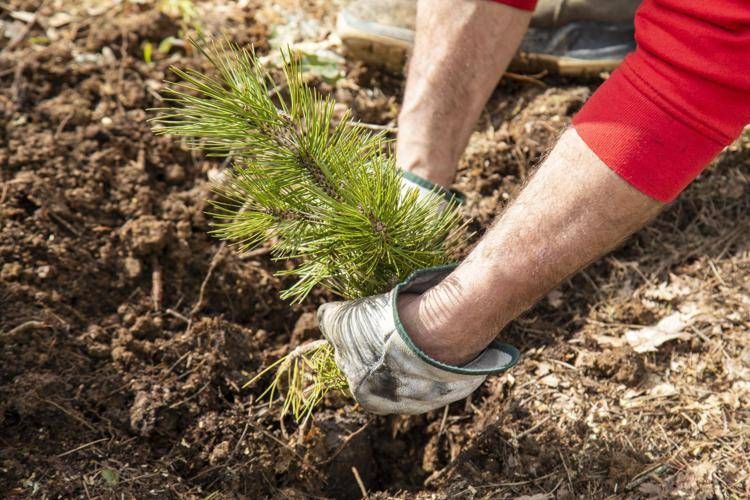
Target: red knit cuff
(639, 136)
(519, 4)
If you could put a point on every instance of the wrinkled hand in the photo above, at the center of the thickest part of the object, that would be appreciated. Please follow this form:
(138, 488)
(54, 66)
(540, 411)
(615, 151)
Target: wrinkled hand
(386, 372)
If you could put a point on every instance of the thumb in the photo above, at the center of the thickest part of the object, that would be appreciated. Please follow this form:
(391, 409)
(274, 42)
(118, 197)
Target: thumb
(326, 319)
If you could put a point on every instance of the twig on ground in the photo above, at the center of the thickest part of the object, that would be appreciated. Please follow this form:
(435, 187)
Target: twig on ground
(6, 186)
(515, 483)
(443, 421)
(136, 478)
(226, 463)
(157, 285)
(69, 413)
(191, 370)
(285, 445)
(177, 315)
(25, 327)
(174, 365)
(239, 441)
(532, 428)
(15, 91)
(347, 440)
(640, 478)
(67, 225)
(83, 446)
(563, 364)
(25, 31)
(62, 124)
(531, 79)
(716, 272)
(360, 483)
(567, 470)
(214, 262)
(195, 394)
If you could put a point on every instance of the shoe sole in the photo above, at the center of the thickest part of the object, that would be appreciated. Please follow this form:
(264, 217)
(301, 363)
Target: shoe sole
(391, 51)
(529, 62)
(361, 42)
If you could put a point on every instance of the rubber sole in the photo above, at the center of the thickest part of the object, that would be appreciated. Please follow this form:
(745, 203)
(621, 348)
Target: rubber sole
(364, 44)
(565, 66)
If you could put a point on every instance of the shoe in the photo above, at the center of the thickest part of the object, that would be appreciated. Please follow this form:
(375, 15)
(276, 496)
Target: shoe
(569, 37)
(379, 32)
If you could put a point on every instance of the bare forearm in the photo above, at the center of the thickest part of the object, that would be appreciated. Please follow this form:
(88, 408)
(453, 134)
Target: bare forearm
(461, 50)
(573, 210)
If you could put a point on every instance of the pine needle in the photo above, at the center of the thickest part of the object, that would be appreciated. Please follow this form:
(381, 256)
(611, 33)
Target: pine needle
(325, 193)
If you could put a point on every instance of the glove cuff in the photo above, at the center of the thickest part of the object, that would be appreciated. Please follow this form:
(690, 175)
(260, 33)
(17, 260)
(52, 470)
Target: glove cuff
(450, 195)
(496, 358)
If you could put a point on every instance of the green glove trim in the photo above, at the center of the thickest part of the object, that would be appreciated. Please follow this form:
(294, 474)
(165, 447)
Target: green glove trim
(414, 281)
(450, 195)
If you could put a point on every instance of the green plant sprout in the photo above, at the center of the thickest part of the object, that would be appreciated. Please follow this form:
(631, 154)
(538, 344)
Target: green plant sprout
(321, 191)
(186, 10)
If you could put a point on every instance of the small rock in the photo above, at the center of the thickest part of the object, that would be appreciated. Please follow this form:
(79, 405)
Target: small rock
(551, 380)
(174, 174)
(43, 271)
(10, 271)
(219, 453)
(132, 267)
(261, 335)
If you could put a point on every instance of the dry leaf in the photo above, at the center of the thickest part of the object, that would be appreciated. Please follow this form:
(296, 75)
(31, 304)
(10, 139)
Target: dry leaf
(662, 390)
(668, 328)
(609, 341)
(542, 369)
(551, 380)
(23, 16)
(59, 19)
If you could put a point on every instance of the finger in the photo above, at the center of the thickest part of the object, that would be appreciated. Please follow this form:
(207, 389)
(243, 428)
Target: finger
(325, 315)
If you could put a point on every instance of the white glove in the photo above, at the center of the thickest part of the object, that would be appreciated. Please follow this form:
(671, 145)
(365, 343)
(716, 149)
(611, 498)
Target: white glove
(386, 372)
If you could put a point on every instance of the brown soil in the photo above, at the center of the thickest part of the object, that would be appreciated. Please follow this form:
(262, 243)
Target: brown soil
(127, 333)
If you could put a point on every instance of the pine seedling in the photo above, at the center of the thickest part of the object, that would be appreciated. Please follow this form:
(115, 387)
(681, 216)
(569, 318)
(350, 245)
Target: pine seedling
(323, 192)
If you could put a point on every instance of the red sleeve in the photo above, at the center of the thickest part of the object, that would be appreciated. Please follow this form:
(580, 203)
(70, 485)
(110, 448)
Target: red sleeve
(678, 100)
(519, 4)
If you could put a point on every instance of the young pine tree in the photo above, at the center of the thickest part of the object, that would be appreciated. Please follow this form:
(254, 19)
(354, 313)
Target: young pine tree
(322, 192)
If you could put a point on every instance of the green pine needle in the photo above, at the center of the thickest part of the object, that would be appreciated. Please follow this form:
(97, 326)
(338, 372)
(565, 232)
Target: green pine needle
(323, 192)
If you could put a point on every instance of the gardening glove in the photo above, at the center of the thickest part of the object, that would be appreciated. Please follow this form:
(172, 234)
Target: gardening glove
(411, 181)
(386, 372)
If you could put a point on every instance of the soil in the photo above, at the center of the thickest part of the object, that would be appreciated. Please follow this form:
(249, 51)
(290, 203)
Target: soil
(127, 332)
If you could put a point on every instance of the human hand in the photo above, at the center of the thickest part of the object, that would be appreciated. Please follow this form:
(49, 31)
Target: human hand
(386, 371)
